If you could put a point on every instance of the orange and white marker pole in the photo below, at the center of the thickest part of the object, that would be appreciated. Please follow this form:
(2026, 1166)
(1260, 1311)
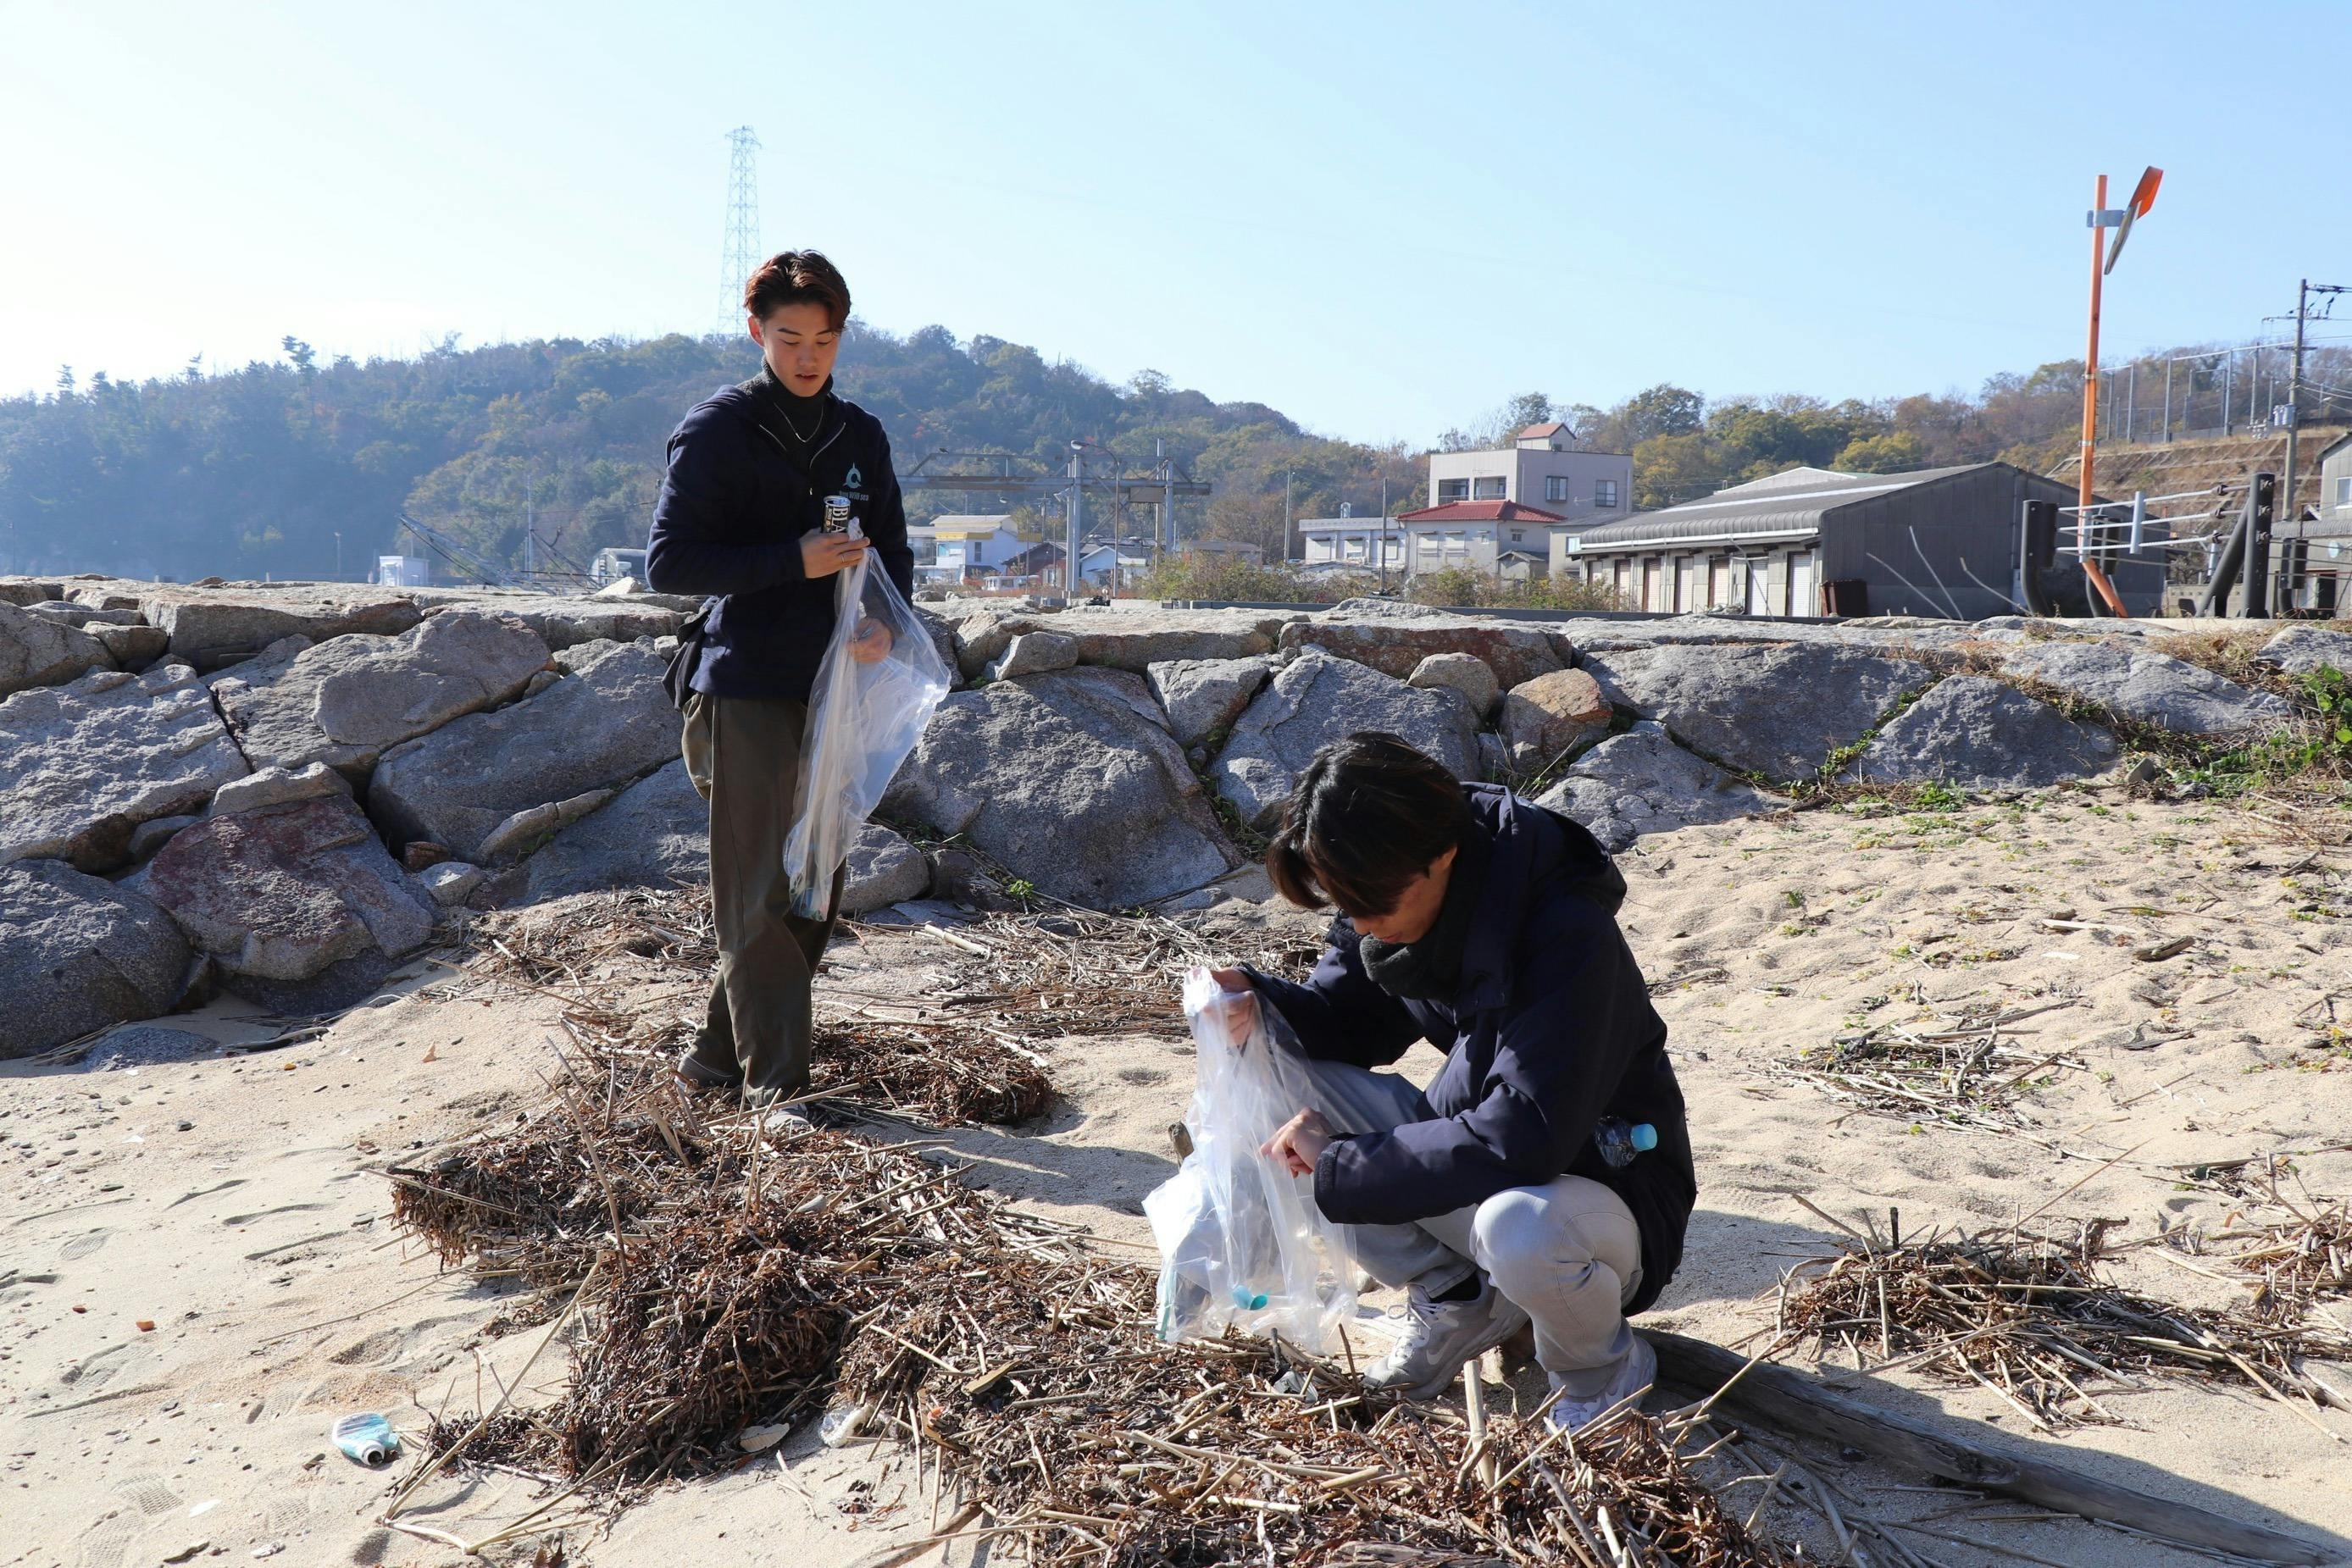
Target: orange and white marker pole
(2083, 515)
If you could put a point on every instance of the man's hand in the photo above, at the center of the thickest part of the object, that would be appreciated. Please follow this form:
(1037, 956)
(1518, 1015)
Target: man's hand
(871, 642)
(1300, 1142)
(823, 554)
(1241, 1003)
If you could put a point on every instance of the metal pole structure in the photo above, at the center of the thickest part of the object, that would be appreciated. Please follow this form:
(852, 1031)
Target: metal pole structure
(2228, 387)
(2168, 402)
(1077, 521)
(2294, 402)
(1287, 516)
(2099, 583)
(1384, 533)
(2131, 402)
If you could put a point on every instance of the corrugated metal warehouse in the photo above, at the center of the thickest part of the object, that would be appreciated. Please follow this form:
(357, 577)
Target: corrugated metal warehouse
(1811, 541)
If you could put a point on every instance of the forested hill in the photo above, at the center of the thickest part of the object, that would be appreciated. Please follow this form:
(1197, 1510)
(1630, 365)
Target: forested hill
(256, 471)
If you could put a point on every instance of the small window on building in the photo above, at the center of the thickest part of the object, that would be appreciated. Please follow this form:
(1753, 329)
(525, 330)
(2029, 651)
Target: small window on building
(1453, 490)
(1489, 489)
(1519, 536)
(2344, 492)
(1355, 550)
(1556, 487)
(1604, 492)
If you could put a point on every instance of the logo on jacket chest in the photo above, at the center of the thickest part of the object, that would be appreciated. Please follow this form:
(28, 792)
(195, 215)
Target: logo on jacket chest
(853, 484)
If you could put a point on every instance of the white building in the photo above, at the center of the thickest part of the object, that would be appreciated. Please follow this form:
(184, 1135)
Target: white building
(1541, 468)
(1369, 544)
(1502, 538)
(966, 544)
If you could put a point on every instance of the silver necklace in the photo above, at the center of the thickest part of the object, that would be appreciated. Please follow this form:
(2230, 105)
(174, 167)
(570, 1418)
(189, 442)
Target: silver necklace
(784, 414)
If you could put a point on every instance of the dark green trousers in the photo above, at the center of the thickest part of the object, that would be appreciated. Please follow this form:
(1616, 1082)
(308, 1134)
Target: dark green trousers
(744, 757)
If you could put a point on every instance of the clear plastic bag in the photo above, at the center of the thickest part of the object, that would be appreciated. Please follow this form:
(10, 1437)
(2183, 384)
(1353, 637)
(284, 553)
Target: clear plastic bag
(1242, 1244)
(863, 720)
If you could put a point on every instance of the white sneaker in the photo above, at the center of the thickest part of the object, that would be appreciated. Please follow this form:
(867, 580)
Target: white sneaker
(1634, 1376)
(1440, 1336)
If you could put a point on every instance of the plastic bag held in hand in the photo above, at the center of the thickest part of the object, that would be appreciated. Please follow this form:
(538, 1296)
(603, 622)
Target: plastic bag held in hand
(864, 717)
(1242, 1244)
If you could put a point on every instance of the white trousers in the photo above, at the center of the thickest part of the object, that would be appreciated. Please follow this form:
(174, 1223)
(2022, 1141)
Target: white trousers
(1567, 1251)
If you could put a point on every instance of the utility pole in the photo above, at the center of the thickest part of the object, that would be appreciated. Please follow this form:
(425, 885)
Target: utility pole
(1076, 520)
(2294, 403)
(1287, 474)
(1384, 533)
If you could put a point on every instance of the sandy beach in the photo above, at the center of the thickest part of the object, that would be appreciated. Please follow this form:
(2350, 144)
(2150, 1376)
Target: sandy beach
(199, 1272)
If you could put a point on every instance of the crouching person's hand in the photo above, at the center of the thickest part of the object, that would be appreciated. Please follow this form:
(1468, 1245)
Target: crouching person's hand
(1240, 1003)
(1300, 1142)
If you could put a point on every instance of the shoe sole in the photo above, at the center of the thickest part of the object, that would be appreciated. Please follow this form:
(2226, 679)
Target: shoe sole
(1436, 1387)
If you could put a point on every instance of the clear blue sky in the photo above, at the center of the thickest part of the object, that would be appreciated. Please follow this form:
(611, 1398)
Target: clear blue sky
(1380, 218)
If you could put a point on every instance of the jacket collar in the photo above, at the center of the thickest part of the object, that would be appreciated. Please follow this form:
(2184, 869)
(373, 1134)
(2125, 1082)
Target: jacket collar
(1498, 818)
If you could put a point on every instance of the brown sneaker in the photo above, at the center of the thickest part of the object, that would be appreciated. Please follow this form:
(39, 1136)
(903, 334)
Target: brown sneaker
(697, 1081)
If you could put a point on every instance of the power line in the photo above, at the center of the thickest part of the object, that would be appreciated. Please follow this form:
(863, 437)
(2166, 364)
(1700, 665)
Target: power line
(739, 255)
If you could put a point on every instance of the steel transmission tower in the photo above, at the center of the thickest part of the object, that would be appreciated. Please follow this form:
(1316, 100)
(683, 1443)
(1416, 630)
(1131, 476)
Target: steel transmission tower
(741, 254)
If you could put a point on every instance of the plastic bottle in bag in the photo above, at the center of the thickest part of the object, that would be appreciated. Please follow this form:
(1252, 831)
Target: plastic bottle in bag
(1242, 1244)
(1619, 1144)
(864, 717)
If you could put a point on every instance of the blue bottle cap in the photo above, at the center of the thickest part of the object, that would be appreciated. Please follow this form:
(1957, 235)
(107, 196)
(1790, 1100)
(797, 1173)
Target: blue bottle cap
(1644, 1136)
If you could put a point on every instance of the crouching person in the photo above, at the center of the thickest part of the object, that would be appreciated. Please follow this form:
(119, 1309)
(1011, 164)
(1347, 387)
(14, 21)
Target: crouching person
(1486, 924)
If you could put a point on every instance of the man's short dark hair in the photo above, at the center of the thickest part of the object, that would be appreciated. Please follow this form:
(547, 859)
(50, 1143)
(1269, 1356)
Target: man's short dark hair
(797, 277)
(1367, 816)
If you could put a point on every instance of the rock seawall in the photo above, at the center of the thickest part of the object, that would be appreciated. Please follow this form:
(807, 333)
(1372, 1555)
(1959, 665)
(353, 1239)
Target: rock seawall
(279, 789)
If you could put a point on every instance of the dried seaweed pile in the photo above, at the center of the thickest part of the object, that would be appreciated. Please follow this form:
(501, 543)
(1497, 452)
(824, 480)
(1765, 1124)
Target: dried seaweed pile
(1966, 1076)
(2033, 1321)
(948, 1074)
(1072, 973)
(725, 1274)
(2300, 1263)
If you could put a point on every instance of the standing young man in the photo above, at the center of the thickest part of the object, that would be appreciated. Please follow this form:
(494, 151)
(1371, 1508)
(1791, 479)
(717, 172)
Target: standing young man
(741, 520)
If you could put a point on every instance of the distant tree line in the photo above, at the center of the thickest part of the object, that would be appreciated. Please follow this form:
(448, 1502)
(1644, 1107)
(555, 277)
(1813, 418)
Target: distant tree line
(257, 471)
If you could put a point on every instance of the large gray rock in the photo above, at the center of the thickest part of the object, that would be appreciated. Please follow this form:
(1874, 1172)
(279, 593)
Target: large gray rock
(81, 766)
(1201, 697)
(883, 868)
(604, 726)
(2149, 687)
(346, 701)
(1396, 647)
(1464, 673)
(2301, 649)
(1131, 639)
(1976, 732)
(655, 833)
(78, 953)
(1777, 709)
(279, 787)
(73, 613)
(1071, 780)
(298, 905)
(1035, 653)
(213, 629)
(1641, 782)
(534, 826)
(1318, 699)
(1371, 608)
(23, 591)
(1551, 716)
(41, 651)
(132, 647)
(562, 623)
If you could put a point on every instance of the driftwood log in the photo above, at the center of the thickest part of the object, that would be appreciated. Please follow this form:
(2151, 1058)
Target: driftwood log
(1793, 1403)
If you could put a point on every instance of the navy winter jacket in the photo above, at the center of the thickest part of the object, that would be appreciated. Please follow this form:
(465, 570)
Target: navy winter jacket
(733, 507)
(1550, 1030)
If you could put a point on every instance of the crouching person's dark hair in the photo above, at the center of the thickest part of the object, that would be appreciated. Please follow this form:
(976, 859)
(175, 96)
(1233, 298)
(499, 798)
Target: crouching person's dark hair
(1369, 815)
